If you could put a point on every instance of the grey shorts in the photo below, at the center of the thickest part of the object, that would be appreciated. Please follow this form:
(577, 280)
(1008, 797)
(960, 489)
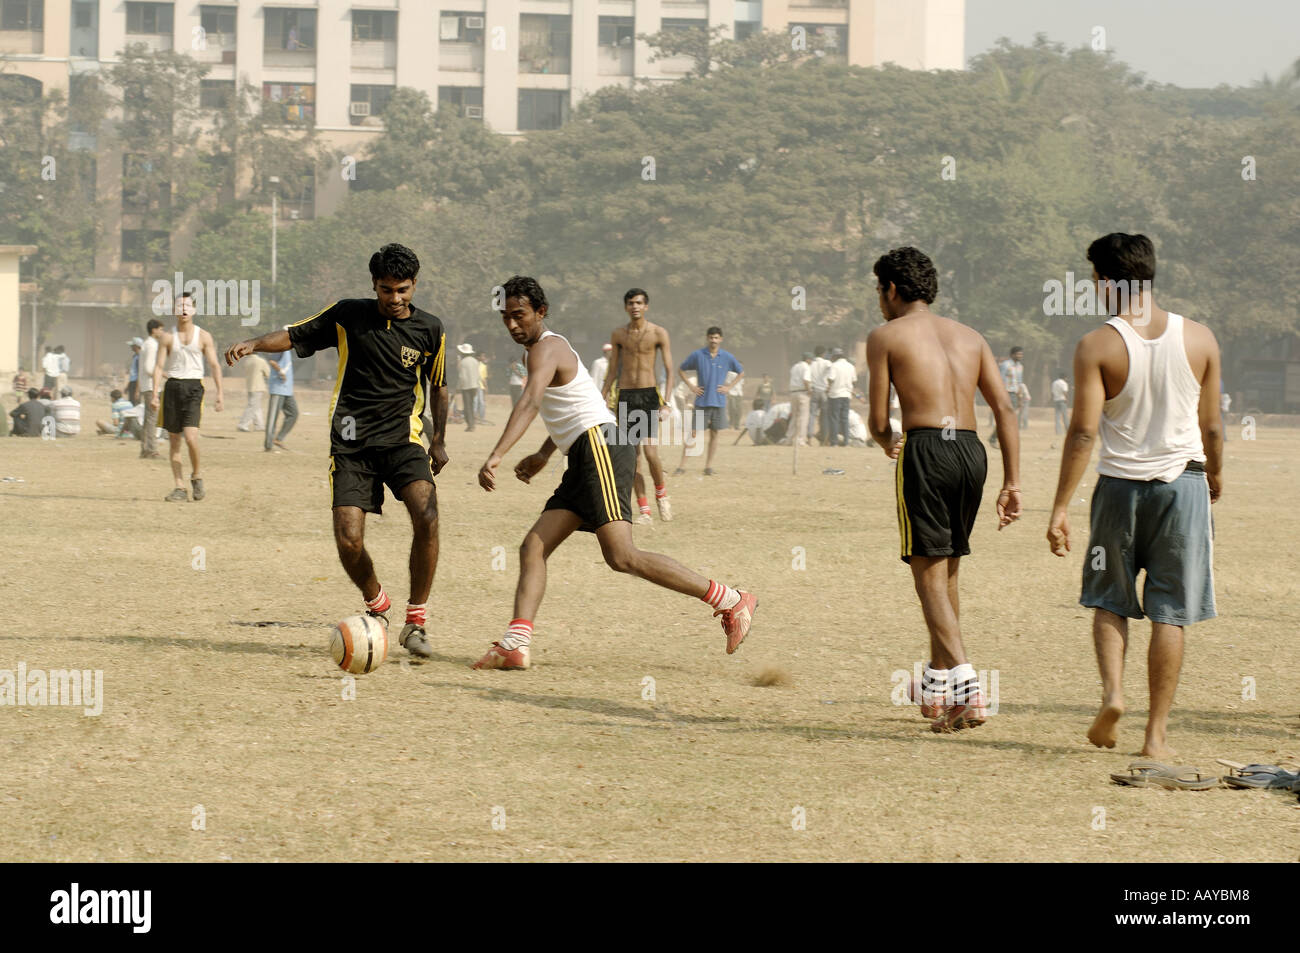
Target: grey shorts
(710, 418)
(1164, 528)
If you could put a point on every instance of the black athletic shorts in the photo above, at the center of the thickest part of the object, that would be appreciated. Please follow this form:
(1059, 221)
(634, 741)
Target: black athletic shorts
(939, 480)
(357, 479)
(182, 403)
(598, 482)
(638, 414)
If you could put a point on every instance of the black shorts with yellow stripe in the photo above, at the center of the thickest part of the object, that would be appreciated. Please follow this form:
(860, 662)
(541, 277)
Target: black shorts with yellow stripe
(939, 481)
(358, 478)
(597, 485)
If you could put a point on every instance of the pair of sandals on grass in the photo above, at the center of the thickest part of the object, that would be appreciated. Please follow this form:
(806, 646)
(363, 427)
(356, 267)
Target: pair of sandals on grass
(1284, 777)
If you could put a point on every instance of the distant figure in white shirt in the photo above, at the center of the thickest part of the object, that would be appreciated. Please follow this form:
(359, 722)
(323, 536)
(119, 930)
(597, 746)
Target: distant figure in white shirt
(1061, 401)
(817, 406)
(801, 396)
(839, 391)
(600, 366)
(67, 414)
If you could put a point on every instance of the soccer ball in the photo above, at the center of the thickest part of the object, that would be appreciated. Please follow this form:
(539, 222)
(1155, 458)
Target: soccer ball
(359, 644)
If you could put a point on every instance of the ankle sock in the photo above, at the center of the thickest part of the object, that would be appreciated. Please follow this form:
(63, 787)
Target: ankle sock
(417, 614)
(644, 503)
(660, 491)
(934, 686)
(518, 634)
(720, 596)
(380, 603)
(965, 683)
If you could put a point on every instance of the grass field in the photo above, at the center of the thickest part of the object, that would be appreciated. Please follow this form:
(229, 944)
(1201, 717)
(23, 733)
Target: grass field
(212, 721)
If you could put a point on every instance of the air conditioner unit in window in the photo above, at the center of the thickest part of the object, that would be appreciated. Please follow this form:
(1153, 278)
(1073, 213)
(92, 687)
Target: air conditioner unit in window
(473, 112)
(359, 109)
(474, 23)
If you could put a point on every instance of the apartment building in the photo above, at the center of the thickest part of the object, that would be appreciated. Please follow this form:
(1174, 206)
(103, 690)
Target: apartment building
(518, 65)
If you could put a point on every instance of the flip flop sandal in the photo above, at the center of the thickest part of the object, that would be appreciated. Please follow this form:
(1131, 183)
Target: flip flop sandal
(1239, 769)
(1145, 774)
(1276, 781)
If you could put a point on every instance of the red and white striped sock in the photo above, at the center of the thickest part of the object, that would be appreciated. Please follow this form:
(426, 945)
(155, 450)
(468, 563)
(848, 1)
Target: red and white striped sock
(660, 491)
(519, 634)
(417, 614)
(720, 596)
(644, 503)
(380, 603)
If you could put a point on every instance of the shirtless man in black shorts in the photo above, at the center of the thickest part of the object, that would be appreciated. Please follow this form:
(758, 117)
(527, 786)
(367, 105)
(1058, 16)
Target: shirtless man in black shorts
(935, 364)
(640, 405)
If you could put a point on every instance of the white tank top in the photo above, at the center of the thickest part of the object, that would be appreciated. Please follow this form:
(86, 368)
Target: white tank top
(1151, 430)
(185, 362)
(571, 409)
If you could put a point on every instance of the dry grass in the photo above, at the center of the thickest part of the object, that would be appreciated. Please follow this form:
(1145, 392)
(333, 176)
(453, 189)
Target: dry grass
(205, 708)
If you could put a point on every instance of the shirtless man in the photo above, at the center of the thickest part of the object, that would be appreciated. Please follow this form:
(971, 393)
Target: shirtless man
(640, 405)
(935, 364)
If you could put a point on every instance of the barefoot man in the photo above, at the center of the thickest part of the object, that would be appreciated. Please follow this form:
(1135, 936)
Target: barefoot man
(640, 405)
(593, 495)
(1147, 383)
(935, 364)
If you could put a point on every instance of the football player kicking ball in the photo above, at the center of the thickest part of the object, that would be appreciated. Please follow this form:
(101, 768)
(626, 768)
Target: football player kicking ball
(595, 492)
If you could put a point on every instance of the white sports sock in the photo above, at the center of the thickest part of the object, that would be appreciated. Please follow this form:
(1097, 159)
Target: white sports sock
(934, 685)
(965, 683)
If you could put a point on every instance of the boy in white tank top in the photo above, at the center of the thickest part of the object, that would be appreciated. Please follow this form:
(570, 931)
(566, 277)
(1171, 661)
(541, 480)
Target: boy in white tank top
(1147, 384)
(595, 492)
(181, 354)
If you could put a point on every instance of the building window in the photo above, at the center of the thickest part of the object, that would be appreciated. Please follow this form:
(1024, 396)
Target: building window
(149, 18)
(289, 102)
(678, 23)
(466, 101)
(85, 28)
(747, 28)
(25, 15)
(457, 27)
(374, 25)
(368, 104)
(544, 43)
(543, 108)
(218, 25)
(290, 30)
(616, 31)
(145, 245)
(216, 93)
(143, 187)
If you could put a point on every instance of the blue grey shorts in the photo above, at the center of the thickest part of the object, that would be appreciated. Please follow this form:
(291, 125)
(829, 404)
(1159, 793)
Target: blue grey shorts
(1164, 528)
(710, 418)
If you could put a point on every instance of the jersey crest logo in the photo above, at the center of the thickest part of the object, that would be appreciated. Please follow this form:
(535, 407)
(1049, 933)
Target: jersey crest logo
(409, 356)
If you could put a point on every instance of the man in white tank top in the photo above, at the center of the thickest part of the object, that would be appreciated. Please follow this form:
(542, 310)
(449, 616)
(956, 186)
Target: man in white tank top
(595, 494)
(181, 354)
(1147, 384)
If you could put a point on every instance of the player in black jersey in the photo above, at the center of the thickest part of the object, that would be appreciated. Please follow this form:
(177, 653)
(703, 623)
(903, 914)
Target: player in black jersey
(392, 360)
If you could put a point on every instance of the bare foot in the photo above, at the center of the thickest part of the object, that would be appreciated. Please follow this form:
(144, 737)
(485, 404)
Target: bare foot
(1105, 726)
(1158, 751)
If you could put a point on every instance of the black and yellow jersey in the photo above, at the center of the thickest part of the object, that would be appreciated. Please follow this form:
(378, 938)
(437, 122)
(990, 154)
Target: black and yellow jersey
(386, 368)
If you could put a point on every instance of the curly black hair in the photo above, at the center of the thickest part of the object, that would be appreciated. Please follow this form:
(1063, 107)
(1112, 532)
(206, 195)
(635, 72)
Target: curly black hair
(1122, 257)
(633, 292)
(521, 286)
(910, 271)
(394, 261)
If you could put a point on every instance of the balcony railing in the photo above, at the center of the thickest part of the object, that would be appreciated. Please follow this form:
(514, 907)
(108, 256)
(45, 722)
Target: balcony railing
(459, 56)
(374, 54)
(614, 60)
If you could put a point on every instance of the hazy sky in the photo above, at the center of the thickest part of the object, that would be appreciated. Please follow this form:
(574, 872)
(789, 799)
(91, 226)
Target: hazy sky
(1185, 42)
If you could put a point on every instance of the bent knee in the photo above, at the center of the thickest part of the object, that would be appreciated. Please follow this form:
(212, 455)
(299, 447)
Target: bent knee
(622, 560)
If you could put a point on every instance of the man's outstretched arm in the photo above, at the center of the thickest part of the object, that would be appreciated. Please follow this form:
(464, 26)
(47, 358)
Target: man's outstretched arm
(273, 341)
(543, 360)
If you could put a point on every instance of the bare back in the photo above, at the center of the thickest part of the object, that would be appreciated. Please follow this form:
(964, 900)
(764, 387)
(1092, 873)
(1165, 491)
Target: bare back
(634, 354)
(935, 364)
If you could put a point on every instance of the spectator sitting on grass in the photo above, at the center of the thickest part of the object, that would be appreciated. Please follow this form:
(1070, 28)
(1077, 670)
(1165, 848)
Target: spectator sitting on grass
(28, 415)
(117, 428)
